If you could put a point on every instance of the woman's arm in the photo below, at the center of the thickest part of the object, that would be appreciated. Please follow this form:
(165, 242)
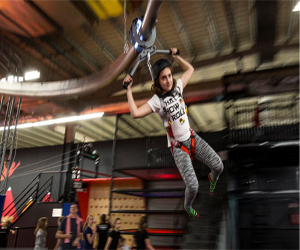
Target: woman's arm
(135, 112)
(57, 244)
(148, 244)
(186, 67)
(59, 235)
(133, 244)
(91, 238)
(108, 242)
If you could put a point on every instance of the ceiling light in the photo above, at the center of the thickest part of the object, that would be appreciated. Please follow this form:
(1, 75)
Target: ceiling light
(297, 7)
(57, 121)
(42, 123)
(32, 75)
(24, 125)
(90, 116)
(10, 79)
(66, 119)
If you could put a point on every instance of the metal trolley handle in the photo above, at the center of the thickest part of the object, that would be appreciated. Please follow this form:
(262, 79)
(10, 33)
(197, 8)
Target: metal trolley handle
(145, 54)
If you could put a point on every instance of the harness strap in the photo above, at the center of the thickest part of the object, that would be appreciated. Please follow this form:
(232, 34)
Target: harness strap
(192, 144)
(181, 146)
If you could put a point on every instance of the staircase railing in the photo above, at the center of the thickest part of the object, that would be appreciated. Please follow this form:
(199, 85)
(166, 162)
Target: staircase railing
(44, 187)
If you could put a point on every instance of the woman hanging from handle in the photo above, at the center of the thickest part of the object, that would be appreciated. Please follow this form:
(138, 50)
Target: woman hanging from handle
(185, 144)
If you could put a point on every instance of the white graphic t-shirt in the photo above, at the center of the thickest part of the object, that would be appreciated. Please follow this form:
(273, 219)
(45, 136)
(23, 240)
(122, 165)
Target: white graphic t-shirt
(171, 107)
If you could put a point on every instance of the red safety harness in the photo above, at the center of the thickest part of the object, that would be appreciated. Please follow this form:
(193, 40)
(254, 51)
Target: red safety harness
(178, 144)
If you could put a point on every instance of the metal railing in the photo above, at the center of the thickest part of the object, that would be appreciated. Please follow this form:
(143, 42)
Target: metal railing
(24, 238)
(257, 121)
(44, 187)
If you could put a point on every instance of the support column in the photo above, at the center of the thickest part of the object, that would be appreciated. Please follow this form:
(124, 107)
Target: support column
(113, 162)
(68, 162)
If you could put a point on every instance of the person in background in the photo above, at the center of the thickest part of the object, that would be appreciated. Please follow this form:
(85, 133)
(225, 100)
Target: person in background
(102, 232)
(4, 231)
(114, 236)
(70, 229)
(58, 242)
(141, 239)
(89, 233)
(40, 234)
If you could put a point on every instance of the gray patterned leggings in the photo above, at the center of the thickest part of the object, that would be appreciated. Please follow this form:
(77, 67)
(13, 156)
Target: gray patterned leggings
(203, 153)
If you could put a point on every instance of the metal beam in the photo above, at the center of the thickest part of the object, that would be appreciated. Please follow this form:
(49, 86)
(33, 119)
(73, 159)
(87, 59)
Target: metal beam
(23, 144)
(19, 26)
(84, 130)
(32, 133)
(95, 127)
(130, 126)
(86, 125)
(110, 125)
(155, 125)
(49, 129)
(68, 56)
(212, 27)
(86, 11)
(291, 29)
(116, 24)
(109, 133)
(6, 43)
(85, 55)
(266, 29)
(7, 56)
(22, 133)
(4, 66)
(105, 48)
(181, 27)
(60, 31)
(43, 14)
(135, 125)
(45, 60)
(252, 21)
(32, 44)
(230, 23)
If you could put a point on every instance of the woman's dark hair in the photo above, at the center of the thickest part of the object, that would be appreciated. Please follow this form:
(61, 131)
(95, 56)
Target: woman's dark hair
(103, 218)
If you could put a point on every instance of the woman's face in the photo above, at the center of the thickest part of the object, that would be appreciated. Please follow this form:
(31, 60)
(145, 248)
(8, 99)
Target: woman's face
(46, 223)
(91, 220)
(165, 80)
(118, 224)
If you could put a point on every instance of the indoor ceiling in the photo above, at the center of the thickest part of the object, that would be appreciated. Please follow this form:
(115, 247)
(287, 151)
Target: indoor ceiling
(74, 39)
